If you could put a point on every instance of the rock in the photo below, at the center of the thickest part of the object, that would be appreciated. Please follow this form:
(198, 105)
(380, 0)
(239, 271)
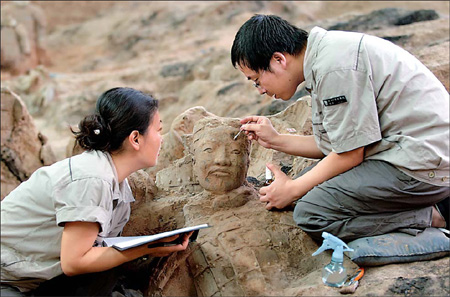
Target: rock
(37, 89)
(277, 106)
(399, 39)
(417, 16)
(223, 91)
(29, 23)
(435, 57)
(23, 148)
(384, 18)
(177, 69)
(224, 72)
(15, 46)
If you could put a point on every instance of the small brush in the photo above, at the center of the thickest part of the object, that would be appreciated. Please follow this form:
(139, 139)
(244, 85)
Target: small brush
(352, 282)
(350, 289)
(236, 136)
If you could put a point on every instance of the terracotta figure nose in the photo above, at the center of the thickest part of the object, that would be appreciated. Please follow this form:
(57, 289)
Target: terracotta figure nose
(221, 157)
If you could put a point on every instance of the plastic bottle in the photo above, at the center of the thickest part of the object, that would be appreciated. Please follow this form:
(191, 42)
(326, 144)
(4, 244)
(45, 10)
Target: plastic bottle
(269, 177)
(334, 274)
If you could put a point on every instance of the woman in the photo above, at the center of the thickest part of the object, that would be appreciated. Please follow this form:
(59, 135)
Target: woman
(53, 224)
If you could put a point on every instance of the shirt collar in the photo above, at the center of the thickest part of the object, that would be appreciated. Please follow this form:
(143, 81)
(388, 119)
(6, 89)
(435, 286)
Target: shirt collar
(126, 191)
(314, 39)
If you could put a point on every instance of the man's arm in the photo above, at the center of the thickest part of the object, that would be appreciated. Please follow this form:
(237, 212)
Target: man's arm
(284, 191)
(260, 129)
(297, 145)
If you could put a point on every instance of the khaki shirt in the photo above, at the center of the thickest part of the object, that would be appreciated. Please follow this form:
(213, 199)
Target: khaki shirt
(366, 91)
(81, 188)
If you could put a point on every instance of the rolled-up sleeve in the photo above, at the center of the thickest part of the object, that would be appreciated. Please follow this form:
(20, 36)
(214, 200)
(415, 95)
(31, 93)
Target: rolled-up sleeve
(350, 115)
(85, 200)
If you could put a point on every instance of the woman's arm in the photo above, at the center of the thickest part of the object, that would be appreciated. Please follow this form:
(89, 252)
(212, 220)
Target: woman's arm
(78, 256)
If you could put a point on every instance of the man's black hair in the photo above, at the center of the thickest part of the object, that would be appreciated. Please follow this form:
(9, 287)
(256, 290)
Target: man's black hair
(263, 35)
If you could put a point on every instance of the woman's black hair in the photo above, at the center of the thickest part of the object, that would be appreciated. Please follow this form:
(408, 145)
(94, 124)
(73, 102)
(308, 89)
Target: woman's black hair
(118, 112)
(263, 35)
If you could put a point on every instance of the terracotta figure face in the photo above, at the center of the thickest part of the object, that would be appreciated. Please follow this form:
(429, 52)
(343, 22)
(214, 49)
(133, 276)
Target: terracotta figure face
(220, 163)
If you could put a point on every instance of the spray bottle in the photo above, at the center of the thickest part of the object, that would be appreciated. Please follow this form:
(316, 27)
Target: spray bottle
(334, 274)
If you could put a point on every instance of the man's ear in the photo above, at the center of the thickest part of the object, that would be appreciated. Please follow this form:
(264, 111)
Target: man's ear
(279, 58)
(133, 139)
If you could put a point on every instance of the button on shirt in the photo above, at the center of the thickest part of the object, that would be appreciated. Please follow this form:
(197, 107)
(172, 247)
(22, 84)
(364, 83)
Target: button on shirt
(81, 188)
(366, 91)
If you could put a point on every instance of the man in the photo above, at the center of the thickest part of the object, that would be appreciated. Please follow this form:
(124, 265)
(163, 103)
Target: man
(380, 122)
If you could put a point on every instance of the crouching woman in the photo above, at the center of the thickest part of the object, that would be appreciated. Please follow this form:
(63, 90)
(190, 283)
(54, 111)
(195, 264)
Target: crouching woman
(53, 224)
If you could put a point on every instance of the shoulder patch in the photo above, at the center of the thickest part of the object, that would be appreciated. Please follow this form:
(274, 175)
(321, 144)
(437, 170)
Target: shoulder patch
(334, 101)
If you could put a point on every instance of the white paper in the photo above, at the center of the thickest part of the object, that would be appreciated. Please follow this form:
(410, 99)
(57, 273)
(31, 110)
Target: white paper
(126, 242)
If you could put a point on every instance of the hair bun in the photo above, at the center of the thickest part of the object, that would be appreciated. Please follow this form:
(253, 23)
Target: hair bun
(94, 133)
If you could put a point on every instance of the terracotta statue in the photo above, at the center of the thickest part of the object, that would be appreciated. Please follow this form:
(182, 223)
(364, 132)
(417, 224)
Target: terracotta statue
(24, 149)
(249, 251)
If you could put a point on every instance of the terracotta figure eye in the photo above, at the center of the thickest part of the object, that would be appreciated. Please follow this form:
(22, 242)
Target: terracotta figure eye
(236, 152)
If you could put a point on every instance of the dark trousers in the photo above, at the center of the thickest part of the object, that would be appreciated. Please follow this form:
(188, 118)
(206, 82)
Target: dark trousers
(370, 199)
(91, 284)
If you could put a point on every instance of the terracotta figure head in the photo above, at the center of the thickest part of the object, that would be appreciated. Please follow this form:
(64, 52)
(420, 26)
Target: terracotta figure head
(220, 162)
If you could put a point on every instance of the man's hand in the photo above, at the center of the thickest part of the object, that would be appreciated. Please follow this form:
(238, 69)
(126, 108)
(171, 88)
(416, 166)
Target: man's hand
(260, 129)
(283, 191)
(280, 193)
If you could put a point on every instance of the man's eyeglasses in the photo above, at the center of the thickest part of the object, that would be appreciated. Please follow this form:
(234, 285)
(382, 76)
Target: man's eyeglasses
(257, 85)
(256, 82)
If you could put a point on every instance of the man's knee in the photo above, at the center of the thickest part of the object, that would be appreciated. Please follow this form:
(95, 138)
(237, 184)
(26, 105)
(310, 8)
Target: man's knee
(318, 211)
(309, 219)
(300, 212)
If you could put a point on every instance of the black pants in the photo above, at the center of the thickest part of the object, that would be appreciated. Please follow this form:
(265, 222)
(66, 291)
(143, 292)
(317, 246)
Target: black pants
(91, 284)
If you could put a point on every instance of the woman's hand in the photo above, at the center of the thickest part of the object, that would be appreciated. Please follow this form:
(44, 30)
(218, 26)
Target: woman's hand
(164, 251)
(260, 129)
(78, 256)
